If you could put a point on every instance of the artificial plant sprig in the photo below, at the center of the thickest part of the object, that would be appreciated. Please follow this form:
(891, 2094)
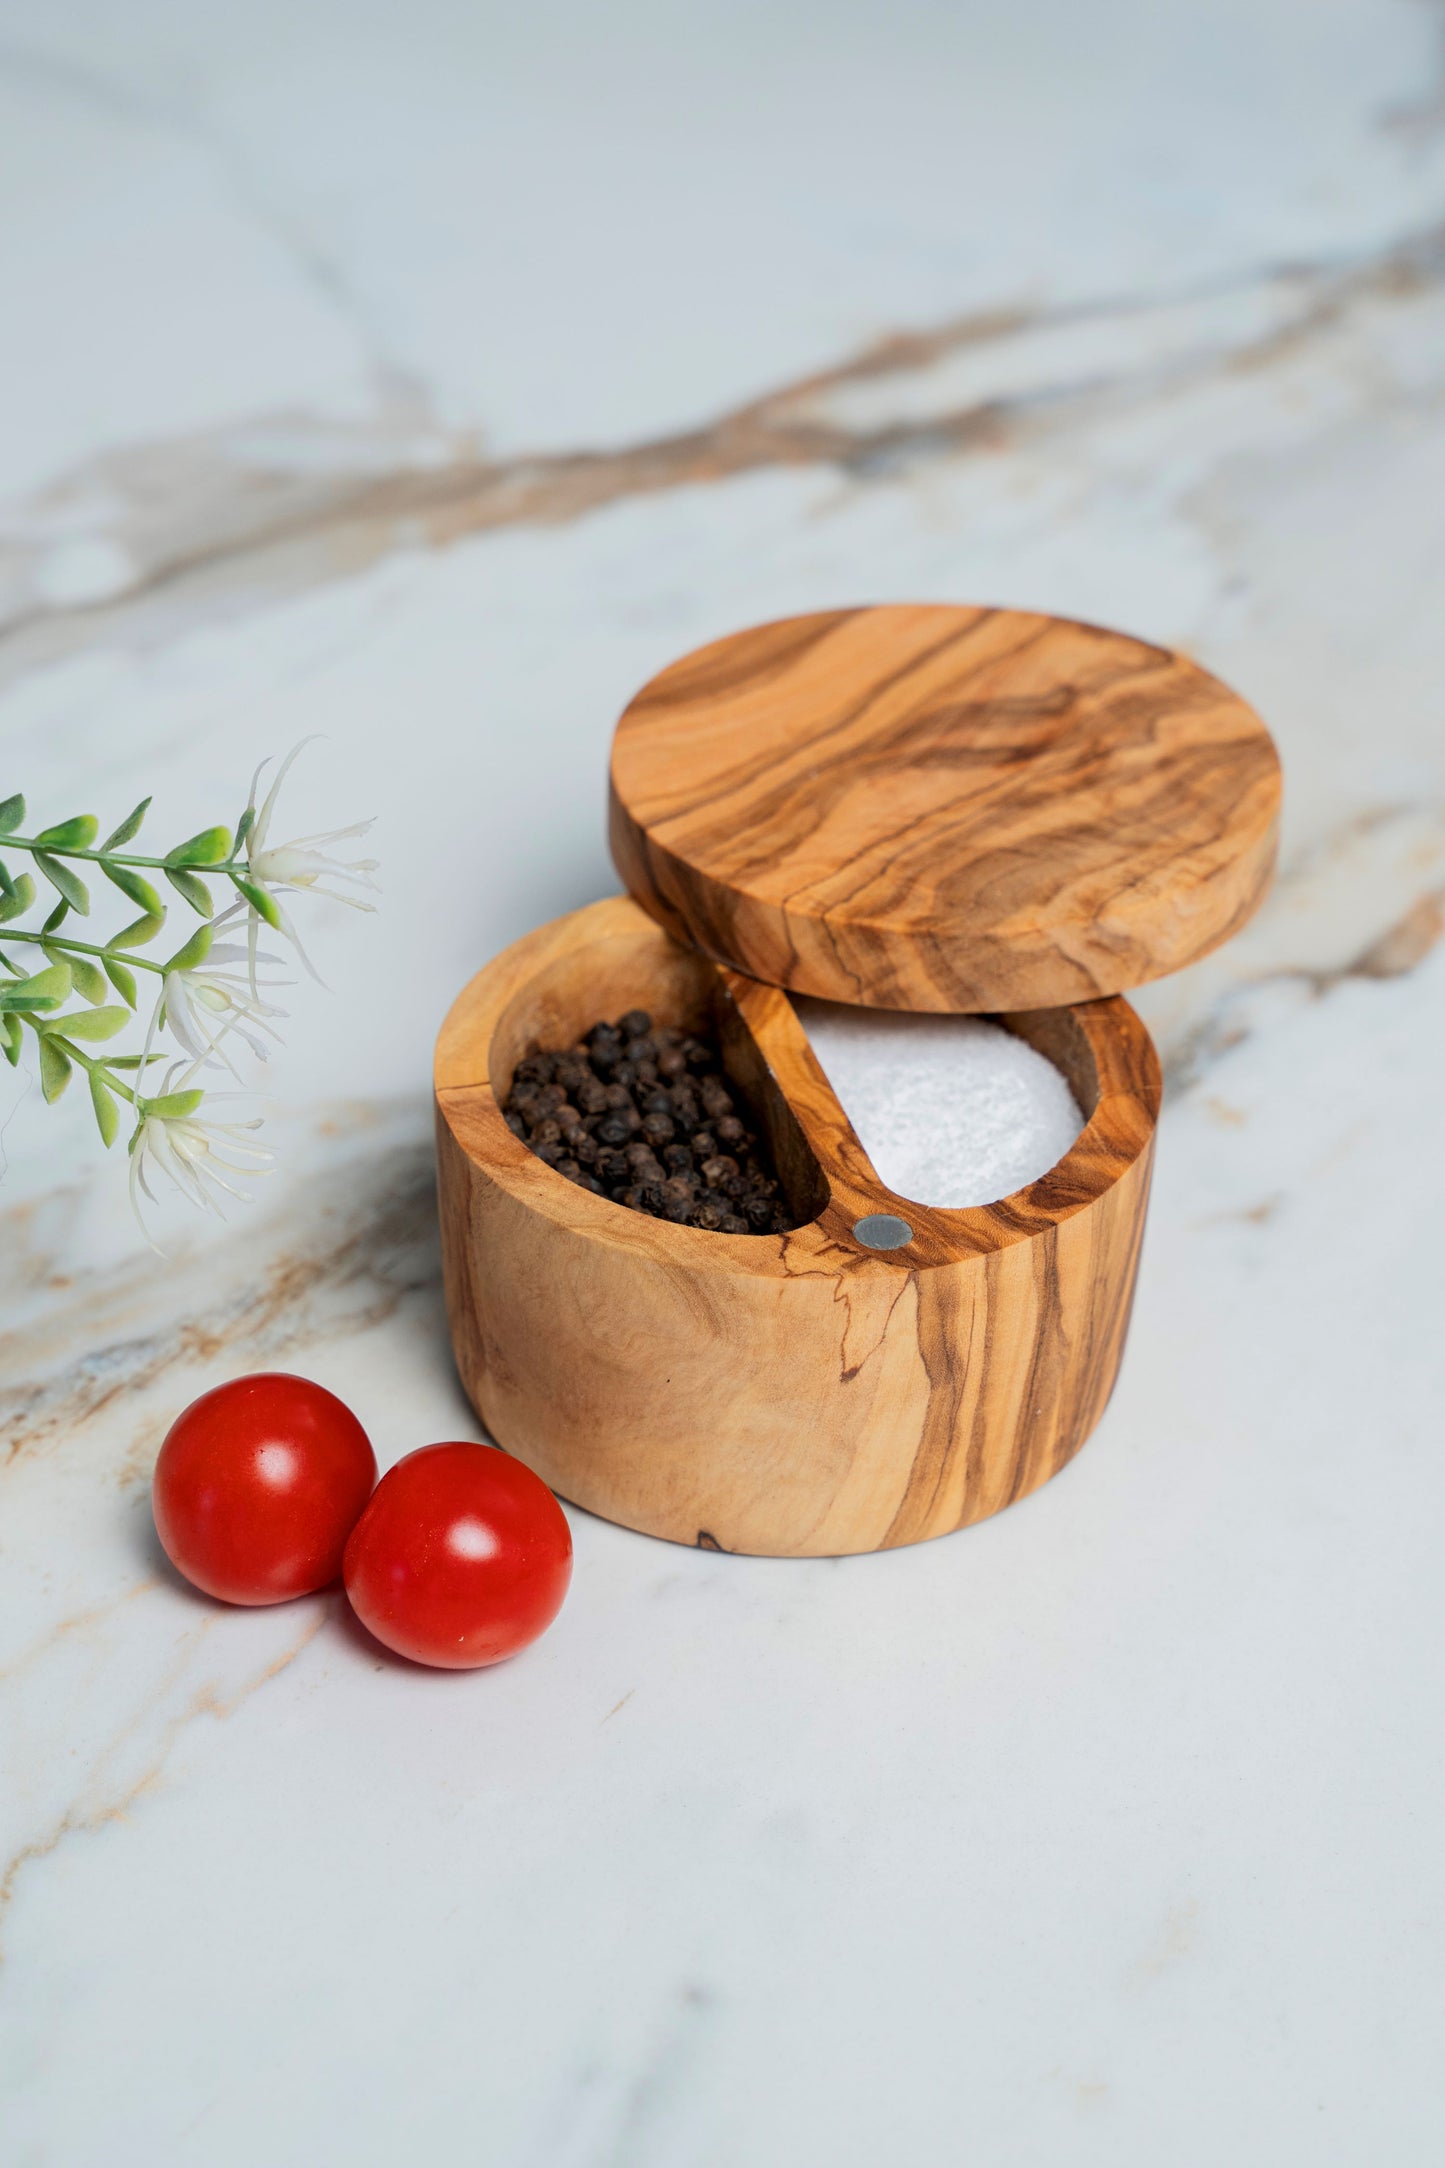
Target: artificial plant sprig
(199, 999)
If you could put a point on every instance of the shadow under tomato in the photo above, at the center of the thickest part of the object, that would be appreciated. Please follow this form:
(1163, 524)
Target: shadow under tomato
(364, 1643)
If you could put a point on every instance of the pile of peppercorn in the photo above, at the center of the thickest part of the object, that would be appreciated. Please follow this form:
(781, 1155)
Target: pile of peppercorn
(643, 1114)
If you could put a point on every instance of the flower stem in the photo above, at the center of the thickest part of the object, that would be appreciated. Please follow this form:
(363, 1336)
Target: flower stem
(84, 948)
(119, 858)
(88, 1062)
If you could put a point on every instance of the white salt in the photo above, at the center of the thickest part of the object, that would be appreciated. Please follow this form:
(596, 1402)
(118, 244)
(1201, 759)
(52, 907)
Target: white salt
(952, 1111)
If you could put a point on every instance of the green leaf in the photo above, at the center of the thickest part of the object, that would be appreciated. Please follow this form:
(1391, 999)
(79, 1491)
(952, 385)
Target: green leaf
(131, 1061)
(46, 990)
(195, 952)
(122, 980)
(207, 849)
(88, 1025)
(7, 885)
(193, 888)
(264, 905)
(243, 826)
(11, 1038)
(70, 885)
(131, 884)
(107, 1114)
(89, 983)
(19, 901)
(12, 813)
(76, 834)
(89, 980)
(129, 827)
(54, 1069)
(57, 917)
(138, 932)
(173, 1106)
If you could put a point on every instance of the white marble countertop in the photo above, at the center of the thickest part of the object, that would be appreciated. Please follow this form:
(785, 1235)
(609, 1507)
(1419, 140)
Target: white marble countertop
(428, 377)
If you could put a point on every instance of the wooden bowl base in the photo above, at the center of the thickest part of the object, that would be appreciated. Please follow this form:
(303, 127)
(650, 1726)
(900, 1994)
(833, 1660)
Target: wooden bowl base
(800, 1394)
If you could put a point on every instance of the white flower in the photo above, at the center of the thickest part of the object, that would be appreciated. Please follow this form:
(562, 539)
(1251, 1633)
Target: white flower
(305, 864)
(196, 1155)
(201, 998)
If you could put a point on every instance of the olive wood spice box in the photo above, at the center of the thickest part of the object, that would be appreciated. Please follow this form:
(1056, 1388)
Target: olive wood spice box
(922, 808)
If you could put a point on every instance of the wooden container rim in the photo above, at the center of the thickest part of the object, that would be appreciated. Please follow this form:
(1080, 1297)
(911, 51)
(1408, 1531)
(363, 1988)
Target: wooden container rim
(1116, 1131)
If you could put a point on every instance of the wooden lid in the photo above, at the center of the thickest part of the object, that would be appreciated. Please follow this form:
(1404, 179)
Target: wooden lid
(927, 807)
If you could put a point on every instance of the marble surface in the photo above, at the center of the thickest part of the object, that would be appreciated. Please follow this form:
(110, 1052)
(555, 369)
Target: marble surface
(428, 378)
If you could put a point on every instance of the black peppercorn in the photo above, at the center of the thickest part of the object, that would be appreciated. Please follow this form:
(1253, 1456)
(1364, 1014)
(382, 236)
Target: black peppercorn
(631, 1112)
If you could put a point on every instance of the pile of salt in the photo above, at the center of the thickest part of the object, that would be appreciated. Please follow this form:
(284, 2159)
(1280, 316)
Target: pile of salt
(952, 1111)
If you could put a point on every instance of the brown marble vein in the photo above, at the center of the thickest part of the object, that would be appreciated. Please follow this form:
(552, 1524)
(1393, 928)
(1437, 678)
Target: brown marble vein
(88, 1818)
(366, 1244)
(199, 514)
(1401, 949)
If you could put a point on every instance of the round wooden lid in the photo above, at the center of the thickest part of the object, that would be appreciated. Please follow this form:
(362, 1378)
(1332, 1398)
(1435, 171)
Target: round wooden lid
(927, 807)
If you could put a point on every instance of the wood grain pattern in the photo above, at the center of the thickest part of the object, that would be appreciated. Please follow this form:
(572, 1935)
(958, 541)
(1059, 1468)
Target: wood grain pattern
(919, 807)
(791, 1394)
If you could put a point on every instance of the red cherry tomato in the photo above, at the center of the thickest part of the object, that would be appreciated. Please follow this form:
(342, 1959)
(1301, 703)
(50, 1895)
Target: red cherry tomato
(462, 1557)
(258, 1485)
